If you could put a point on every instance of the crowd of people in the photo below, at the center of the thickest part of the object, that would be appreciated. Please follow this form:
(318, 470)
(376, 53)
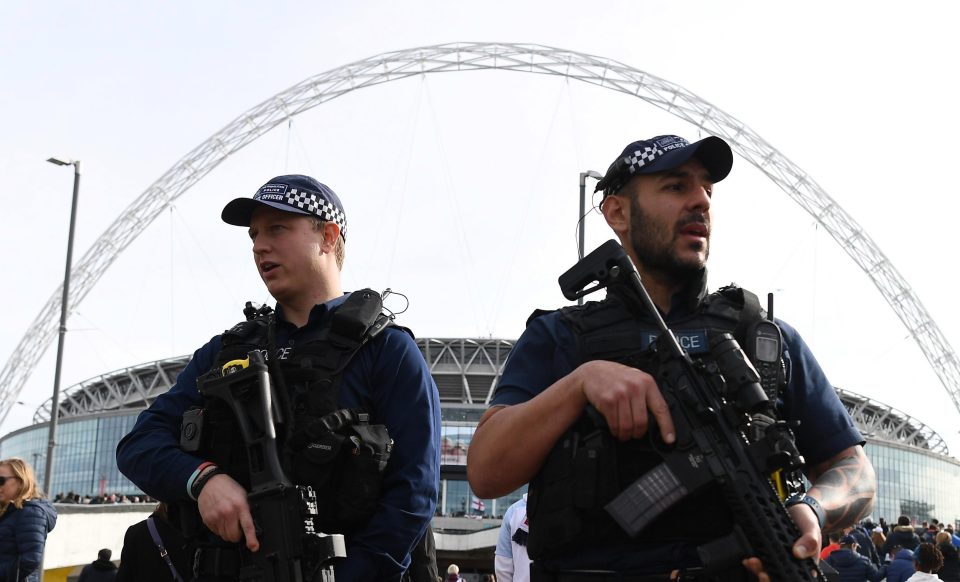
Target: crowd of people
(105, 499)
(904, 551)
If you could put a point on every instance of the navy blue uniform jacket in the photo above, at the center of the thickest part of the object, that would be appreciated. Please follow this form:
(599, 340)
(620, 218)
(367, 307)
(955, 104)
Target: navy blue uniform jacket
(388, 372)
(547, 351)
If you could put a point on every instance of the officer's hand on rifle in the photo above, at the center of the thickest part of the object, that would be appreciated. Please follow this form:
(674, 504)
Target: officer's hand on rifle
(807, 546)
(225, 511)
(626, 397)
(809, 543)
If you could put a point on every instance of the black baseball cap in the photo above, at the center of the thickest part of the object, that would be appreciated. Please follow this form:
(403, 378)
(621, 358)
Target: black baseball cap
(294, 193)
(665, 152)
(848, 540)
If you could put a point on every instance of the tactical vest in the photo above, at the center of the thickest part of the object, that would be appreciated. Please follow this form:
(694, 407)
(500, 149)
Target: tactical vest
(336, 451)
(588, 467)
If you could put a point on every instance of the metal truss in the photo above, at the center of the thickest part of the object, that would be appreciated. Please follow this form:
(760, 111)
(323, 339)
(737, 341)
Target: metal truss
(132, 388)
(466, 371)
(876, 420)
(524, 58)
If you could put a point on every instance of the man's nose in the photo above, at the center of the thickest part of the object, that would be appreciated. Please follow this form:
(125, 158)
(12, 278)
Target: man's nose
(260, 244)
(700, 198)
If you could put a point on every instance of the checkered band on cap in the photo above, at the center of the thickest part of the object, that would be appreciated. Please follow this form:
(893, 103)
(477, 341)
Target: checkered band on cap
(658, 154)
(309, 202)
(641, 158)
(314, 204)
(650, 153)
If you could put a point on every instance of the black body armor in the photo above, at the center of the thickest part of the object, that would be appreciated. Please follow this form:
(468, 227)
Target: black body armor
(336, 451)
(588, 466)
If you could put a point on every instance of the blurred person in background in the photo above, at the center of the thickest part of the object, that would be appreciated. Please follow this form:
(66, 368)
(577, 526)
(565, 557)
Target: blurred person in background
(423, 560)
(100, 570)
(453, 573)
(927, 560)
(26, 518)
(511, 562)
(954, 538)
(902, 535)
(951, 559)
(852, 566)
(834, 539)
(865, 545)
(879, 540)
(155, 551)
(901, 565)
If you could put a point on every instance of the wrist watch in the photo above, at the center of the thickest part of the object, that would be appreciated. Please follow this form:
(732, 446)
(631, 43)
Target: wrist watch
(810, 502)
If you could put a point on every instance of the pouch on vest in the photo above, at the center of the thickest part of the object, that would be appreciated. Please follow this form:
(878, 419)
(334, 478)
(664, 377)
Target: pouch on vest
(566, 497)
(360, 484)
(343, 459)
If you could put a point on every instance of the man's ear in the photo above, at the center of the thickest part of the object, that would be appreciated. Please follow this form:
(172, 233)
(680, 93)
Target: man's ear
(331, 231)
(616, 211)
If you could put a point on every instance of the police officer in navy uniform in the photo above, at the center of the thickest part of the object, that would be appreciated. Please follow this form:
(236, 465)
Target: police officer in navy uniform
(657, 198)
(298, 230)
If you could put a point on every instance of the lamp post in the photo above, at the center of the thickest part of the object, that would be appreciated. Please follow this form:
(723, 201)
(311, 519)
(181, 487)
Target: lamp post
(55, 405)
(582, 219)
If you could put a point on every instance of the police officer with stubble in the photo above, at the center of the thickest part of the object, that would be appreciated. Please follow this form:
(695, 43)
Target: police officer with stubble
(657, 198)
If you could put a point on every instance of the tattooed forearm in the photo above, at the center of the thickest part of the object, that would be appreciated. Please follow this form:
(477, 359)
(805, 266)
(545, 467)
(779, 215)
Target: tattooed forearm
(846, 490)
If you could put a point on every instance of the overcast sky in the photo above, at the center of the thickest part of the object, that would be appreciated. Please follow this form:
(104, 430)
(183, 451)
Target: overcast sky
(461, 189)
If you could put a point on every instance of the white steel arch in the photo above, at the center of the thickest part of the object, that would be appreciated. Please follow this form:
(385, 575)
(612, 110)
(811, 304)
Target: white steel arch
(526, 58)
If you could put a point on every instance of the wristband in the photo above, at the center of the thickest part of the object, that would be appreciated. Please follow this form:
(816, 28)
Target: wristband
(194, 475)
(202, 479)
(809, 502)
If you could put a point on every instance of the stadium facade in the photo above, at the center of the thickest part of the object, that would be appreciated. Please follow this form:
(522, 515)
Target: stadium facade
(917, 476)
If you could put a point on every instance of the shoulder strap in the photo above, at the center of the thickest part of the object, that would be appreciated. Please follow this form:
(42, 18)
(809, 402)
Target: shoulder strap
(252, 329)
(152, 527)
(750, 313)
(360, 317)
(358, 320)
(537, 313)
(603, 329)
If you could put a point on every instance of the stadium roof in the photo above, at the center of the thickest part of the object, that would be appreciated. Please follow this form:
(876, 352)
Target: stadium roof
(466, 371)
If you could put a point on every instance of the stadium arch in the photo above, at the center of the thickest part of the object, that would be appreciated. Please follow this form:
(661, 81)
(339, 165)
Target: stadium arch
(526, 58)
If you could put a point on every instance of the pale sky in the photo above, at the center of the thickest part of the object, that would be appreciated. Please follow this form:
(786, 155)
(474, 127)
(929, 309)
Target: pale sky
(461, 189)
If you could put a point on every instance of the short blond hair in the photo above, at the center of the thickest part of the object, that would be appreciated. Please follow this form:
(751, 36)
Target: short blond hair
(28, 482)
(339, 252)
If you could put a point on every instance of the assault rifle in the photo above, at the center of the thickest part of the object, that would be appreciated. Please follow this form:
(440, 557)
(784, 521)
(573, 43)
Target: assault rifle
(291, 550)
(726, 438)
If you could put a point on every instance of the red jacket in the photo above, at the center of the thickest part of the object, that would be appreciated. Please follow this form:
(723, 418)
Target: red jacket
(828, 550)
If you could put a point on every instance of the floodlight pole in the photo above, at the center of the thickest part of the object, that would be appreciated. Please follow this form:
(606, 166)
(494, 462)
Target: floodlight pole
(581, 218)
(55, 404)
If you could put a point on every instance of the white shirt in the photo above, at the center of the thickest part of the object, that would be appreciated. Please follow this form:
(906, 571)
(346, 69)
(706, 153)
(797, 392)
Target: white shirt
(511, 563)
(923, 577)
